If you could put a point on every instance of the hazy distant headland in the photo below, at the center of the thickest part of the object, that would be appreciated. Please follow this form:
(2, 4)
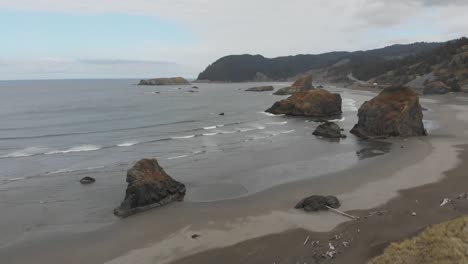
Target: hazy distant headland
(431, 67)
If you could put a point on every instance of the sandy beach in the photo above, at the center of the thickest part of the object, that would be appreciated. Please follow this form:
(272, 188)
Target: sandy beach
(265, 228)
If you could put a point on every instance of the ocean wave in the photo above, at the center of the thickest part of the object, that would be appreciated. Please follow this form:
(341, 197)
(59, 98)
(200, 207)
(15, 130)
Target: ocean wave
(210, 127)
(31, 151)
(226, 132)
(270, 114)
(128, 144)
(183, 137)
(338, 120)
(277, 123)
(245, 129)
(98, 132)
(210, 134)
(349, 105)
(81, 148)
(177, 157)
(259, 127)
(287, 131)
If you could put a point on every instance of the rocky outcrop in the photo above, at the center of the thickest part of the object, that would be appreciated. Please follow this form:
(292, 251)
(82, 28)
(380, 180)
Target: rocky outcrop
(312, 103)
(436, 87)
(149, 186)
(302, 84)
(318, 203)
(260, 89)
(87, 180)
(165, 81)
(329, 130)
(394, 112)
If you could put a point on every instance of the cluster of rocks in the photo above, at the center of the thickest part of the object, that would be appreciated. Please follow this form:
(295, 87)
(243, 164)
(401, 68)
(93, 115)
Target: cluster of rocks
(165, 81)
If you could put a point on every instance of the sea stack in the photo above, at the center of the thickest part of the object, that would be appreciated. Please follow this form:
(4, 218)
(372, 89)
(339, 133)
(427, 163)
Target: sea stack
(165, 81)
(395, 112)
(312, 103)
(301, 84)
(149, 186)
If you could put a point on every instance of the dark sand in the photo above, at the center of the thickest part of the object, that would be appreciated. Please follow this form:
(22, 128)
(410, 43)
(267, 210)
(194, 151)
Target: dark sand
(367, 237)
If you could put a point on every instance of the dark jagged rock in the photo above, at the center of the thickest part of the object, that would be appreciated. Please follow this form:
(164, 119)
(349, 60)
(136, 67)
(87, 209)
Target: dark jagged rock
(165, 81)
(149, 186)
(221, 114)
(87, 180)
(312, 103)
(318, 203)
(394, 112)
(436, 87)
(329, 130)
(260, 89)
(302, 84)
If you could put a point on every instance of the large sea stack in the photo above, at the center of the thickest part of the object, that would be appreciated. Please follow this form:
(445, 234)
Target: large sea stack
(165, 81)
(312, 103)
(149, 186)
(394, 112)
(302, 84)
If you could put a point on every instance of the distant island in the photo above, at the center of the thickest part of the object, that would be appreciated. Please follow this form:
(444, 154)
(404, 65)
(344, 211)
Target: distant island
(427, 67)
(165, 81)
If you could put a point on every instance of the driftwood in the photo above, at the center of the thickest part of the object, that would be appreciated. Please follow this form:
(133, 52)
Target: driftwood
(307, 240)
(343, 213)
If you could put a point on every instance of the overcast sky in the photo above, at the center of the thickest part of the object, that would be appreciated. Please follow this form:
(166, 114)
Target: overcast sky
(153, 38)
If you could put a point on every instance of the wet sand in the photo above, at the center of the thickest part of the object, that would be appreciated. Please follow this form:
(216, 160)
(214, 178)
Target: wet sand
(241, 230)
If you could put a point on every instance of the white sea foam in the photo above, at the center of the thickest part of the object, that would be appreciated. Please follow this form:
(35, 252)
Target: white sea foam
(24, 152)
(270, 114)
(226, 132)
(177, 157)
(245, 129)
(127, 144)
(210, 134)
(338, 120)
(183, 137)
(15, 179)
(81, 148)
(349, 105)
(287, 131)
(210, 127)
(277, 123)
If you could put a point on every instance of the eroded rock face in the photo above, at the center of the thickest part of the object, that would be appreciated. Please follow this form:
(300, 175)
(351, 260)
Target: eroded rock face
(394, 112)
(302, 84)
(260, 89)
(165, 81)
(312, 103)
(436, 87)
(329, 130)
(149, 186)
(318, 203)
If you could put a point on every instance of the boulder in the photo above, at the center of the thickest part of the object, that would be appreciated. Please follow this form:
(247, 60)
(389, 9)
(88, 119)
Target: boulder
(302, 84)
(328, 130)
(436, 87)
(318, 203)
(394, 112)
(87, 180)
(149, 186)
(260, 89)
(165, 81)
(312, 103)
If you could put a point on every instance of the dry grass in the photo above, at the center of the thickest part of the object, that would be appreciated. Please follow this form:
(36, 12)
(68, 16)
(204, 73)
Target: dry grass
(445, 243)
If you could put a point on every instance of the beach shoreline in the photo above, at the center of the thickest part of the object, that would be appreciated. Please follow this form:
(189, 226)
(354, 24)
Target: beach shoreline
(165, 235)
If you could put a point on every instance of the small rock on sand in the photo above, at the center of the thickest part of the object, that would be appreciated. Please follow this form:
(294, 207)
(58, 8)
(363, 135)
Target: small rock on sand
(87, 180)
(317, 203)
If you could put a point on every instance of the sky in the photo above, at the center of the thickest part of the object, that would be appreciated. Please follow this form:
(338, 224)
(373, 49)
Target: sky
(72, 39)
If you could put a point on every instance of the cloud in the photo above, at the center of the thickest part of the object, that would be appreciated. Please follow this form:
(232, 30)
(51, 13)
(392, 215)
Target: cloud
(125, 62)
(268, 27)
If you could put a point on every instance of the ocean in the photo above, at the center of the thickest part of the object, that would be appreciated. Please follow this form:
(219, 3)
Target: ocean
(54, 132)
